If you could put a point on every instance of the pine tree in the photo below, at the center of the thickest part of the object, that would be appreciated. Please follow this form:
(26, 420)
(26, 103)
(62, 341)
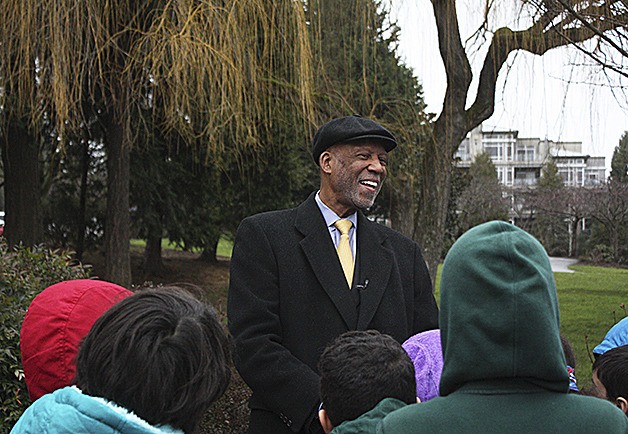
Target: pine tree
(550, 178)
(619, 163)
(482, 200)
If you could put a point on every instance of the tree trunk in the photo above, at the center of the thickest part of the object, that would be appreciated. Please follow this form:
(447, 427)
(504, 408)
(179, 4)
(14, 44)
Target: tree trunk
(80, 233)
(436, 172)
(23, 217)
(153, 264)
(117, 225)
(402, 205)
(576, 234)
(208, 255)
(448, 131)
(432, 216)
(210, 251)
(613, 235)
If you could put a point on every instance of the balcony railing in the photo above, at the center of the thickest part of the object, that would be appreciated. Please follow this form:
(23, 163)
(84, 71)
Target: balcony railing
(525, 181)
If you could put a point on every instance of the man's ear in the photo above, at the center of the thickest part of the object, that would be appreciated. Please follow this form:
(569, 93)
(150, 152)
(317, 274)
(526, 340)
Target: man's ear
(622, 404)
(325, 422)
(325, 162)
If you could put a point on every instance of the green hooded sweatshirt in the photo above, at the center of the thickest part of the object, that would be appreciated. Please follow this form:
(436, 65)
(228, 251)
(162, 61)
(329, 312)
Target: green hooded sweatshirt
(369, 420)
(504, 370)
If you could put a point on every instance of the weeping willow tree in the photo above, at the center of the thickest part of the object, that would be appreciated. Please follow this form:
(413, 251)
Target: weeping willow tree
(550, 24)
(213, 71)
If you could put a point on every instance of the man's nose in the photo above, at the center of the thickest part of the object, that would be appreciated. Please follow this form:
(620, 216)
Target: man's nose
(376, 166)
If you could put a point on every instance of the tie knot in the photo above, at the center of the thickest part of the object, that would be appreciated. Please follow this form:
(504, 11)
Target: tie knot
(343, 226)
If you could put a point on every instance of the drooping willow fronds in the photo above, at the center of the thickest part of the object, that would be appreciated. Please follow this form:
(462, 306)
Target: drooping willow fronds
(205, 68)
(217, 66)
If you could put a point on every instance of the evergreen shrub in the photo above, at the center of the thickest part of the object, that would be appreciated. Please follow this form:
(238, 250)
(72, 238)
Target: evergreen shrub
(24, 273)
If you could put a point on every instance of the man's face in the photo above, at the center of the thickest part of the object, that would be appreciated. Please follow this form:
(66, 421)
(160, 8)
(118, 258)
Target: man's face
(356, 173)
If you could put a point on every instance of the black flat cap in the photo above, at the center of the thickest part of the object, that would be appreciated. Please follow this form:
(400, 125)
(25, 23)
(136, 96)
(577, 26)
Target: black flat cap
(350, 129)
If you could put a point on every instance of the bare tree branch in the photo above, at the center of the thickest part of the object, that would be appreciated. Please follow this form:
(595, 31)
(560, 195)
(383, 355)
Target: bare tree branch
(457, 65)
(595, 30)
(537, 39)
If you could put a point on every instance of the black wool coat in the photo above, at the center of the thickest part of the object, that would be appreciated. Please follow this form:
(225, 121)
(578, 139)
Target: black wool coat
(288, 298)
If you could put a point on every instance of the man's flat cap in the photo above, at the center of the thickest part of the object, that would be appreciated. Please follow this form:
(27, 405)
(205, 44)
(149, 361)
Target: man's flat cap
(350, 129)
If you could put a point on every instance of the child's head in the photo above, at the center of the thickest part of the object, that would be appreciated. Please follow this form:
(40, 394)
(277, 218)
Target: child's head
(610, 376)
(615, 337)
(161, 354)
(55, 323)
(427, 356)
(359, 369)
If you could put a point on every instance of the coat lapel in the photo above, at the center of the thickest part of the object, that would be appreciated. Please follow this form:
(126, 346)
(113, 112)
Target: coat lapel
(319, 250)
(376, 263)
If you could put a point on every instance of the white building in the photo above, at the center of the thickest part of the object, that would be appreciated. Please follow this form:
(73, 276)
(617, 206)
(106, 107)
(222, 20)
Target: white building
(519, 161)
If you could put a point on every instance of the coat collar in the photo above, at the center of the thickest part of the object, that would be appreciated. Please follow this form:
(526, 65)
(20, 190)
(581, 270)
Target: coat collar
(375, 262)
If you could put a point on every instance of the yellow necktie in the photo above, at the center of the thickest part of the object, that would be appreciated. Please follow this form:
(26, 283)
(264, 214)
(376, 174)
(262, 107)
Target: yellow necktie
(344, 249)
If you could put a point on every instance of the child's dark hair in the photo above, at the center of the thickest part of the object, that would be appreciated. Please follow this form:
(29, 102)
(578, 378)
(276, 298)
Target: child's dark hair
(159, 353)
(568, 351)
(359, 369)
(612, 371)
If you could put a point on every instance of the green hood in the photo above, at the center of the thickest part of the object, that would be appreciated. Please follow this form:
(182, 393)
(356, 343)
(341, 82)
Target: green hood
(499, 311)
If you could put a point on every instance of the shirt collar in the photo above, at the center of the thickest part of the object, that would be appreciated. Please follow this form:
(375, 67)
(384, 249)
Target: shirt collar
(330, 216)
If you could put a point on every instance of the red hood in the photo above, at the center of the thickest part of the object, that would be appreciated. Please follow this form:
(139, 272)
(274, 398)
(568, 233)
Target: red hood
(55, 323)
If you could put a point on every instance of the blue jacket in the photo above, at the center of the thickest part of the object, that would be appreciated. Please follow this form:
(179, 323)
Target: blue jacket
(68, 410)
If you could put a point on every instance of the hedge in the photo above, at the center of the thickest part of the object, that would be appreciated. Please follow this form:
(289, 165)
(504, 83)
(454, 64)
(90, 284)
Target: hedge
(24, 273)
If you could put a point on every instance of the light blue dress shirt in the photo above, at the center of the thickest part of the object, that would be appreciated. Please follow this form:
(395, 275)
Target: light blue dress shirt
(331, 218)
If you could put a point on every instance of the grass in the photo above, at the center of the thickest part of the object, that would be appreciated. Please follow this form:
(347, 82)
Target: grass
(225, 246)
(591, 301)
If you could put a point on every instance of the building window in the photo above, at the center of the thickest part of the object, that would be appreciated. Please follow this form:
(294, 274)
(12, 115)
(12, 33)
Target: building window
(564, 173)
(525, 177)
(499, 151)
(572, 176)
(494, 150)
(505, 175)
(525, 153)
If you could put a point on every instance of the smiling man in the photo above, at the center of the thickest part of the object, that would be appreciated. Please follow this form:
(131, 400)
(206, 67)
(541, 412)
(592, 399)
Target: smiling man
(352, 175)
(303, 276)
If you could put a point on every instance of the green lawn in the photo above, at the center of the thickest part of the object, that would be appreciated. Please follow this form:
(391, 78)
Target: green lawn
(591, 301)
(224, 246)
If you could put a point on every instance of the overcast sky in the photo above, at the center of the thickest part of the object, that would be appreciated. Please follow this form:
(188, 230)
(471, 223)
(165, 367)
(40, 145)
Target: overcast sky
(544, 96)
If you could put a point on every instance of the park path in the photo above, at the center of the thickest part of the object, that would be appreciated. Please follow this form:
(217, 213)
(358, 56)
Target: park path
(561, 265)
